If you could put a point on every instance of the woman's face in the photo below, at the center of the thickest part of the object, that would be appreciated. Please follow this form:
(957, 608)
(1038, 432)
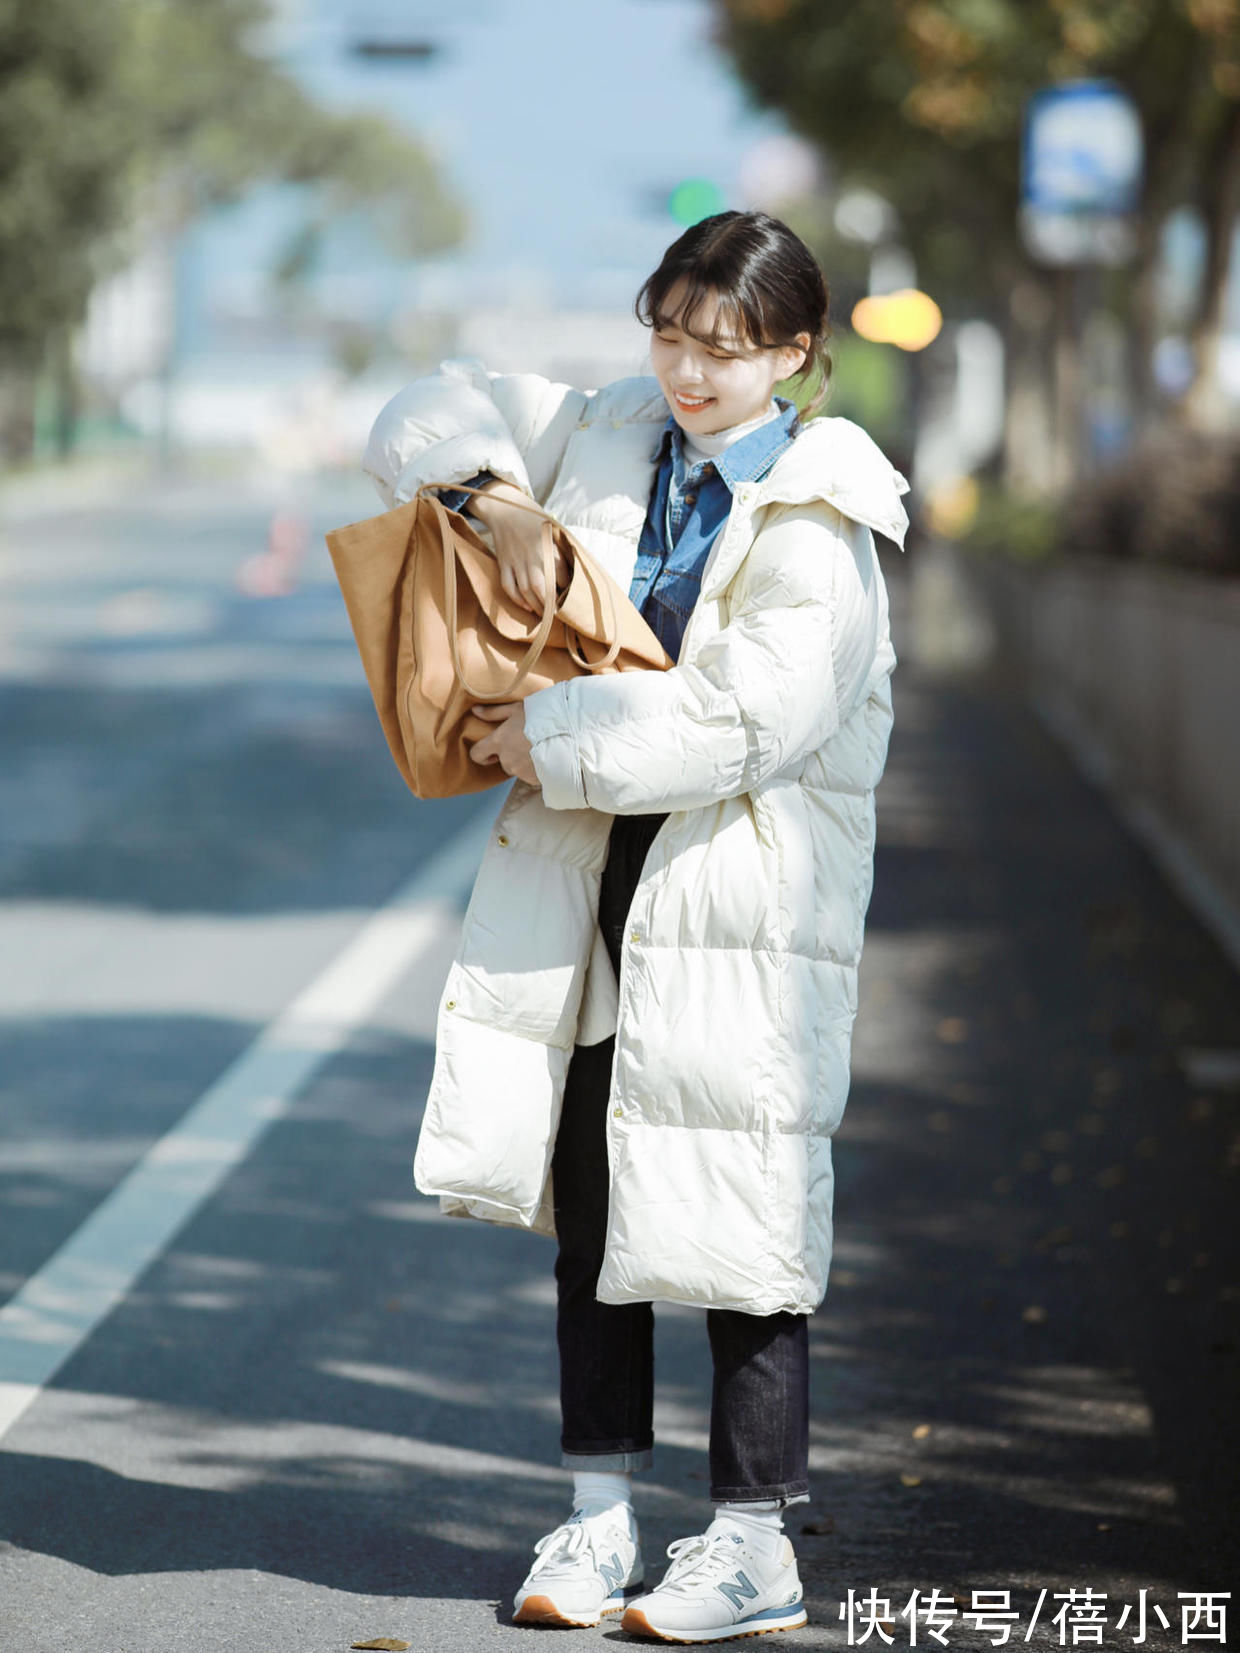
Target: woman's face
(711, 387)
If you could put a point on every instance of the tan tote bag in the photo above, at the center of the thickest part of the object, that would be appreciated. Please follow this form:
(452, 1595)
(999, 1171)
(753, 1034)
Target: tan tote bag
(438, 634)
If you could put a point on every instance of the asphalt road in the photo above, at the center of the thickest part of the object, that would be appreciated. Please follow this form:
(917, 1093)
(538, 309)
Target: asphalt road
(320, 1413)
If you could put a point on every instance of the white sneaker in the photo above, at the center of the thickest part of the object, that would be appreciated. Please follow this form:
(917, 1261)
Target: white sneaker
(585, 1569)
(720, 1587)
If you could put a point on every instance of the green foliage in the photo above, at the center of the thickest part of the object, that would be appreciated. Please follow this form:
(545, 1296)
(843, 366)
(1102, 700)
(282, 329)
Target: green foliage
(120, 107)
(924, 100)
(869, 384)
(1010, 525)
(1176, 502)
(365, 161)
(66, 142)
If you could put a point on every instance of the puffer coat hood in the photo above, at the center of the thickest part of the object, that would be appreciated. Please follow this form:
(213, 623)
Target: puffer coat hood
(737, 991)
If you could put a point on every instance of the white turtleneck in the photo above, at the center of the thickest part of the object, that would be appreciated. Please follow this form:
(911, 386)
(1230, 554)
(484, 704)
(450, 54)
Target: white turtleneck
(710, 446)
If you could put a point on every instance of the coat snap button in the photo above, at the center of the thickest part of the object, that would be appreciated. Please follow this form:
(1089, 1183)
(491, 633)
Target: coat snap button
(449, 1004)
(635, 936)
(617, 1113)
(502, 840)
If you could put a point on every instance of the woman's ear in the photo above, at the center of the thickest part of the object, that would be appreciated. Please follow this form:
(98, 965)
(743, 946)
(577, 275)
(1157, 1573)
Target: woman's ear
(796, 355)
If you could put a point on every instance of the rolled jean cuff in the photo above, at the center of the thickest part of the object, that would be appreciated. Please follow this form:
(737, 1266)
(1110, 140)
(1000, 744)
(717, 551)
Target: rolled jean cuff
(762, 1498)
(608, 1461)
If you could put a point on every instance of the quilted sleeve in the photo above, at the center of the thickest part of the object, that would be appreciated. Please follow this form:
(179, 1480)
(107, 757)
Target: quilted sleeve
(808, 624)
(462, 420)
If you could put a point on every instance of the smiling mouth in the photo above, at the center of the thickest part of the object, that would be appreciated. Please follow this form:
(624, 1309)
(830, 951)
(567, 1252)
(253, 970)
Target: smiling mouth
(691, 404)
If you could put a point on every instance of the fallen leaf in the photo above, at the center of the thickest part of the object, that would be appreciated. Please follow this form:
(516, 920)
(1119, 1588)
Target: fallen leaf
(940, 1120)
(910, 1480)
(818, 1528)
(1035, 1314)
(922, 1430)
(953, 1030)
(383, 1644)
(1111, 1177)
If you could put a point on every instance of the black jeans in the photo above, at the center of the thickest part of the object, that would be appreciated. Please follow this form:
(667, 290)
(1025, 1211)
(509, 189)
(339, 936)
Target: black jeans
(759, 1420)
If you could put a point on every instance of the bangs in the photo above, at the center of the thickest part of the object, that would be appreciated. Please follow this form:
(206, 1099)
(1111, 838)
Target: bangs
(738, 317)
(758, 277)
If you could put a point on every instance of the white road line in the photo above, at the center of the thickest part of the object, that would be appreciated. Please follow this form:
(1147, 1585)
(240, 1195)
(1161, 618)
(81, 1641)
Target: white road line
(80, 1284)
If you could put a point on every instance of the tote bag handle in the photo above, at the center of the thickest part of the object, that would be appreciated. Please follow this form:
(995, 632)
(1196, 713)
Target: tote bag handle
(572, 640)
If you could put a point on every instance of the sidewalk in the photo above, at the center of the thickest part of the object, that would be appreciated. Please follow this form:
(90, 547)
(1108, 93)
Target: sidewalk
(1027, 1362)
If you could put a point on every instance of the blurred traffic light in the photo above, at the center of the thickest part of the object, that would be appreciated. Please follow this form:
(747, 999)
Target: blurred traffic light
(695, 199)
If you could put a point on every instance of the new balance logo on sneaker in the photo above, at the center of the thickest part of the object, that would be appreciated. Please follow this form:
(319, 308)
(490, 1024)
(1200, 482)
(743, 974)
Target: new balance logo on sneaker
(738, 1590)
(613, 1572)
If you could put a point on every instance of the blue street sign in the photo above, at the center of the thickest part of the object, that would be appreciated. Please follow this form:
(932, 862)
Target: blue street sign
(1083, 150)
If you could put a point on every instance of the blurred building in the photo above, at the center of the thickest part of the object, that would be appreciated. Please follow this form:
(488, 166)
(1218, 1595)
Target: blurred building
(565, 130)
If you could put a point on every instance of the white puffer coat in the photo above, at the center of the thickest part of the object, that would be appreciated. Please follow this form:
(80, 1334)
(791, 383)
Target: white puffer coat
(737, 991)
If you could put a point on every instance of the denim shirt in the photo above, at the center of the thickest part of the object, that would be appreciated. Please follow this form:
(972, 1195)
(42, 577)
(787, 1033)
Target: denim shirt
(688, 506)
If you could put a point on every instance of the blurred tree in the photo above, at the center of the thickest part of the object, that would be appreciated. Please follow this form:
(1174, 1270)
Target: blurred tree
(65, 146)
(219, 116)
(924, 101)
(123, 109)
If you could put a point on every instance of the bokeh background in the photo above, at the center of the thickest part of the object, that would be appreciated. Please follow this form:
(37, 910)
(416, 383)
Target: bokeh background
(253, 1391)
(230, 231)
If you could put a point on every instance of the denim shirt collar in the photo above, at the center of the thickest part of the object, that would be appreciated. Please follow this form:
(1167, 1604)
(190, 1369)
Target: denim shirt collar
(744, 461)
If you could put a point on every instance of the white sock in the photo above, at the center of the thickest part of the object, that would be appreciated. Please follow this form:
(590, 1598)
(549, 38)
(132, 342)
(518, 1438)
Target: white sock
(763, 1527)
(597, 1490)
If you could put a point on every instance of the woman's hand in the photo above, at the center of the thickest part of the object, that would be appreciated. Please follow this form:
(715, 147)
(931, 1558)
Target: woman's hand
(517, 535)
(506, 745)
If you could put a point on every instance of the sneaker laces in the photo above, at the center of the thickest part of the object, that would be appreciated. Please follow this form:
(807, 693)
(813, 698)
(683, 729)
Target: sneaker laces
(705, 1552)
(564, 1544)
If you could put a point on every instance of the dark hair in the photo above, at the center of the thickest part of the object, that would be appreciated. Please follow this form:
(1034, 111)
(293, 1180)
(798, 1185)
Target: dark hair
(767, 282)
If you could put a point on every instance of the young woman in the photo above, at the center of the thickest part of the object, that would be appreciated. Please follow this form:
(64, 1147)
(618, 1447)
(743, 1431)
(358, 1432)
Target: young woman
(643, 1045)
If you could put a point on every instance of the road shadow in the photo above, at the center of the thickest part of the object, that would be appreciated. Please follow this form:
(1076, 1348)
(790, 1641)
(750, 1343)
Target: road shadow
(1025, 1368)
